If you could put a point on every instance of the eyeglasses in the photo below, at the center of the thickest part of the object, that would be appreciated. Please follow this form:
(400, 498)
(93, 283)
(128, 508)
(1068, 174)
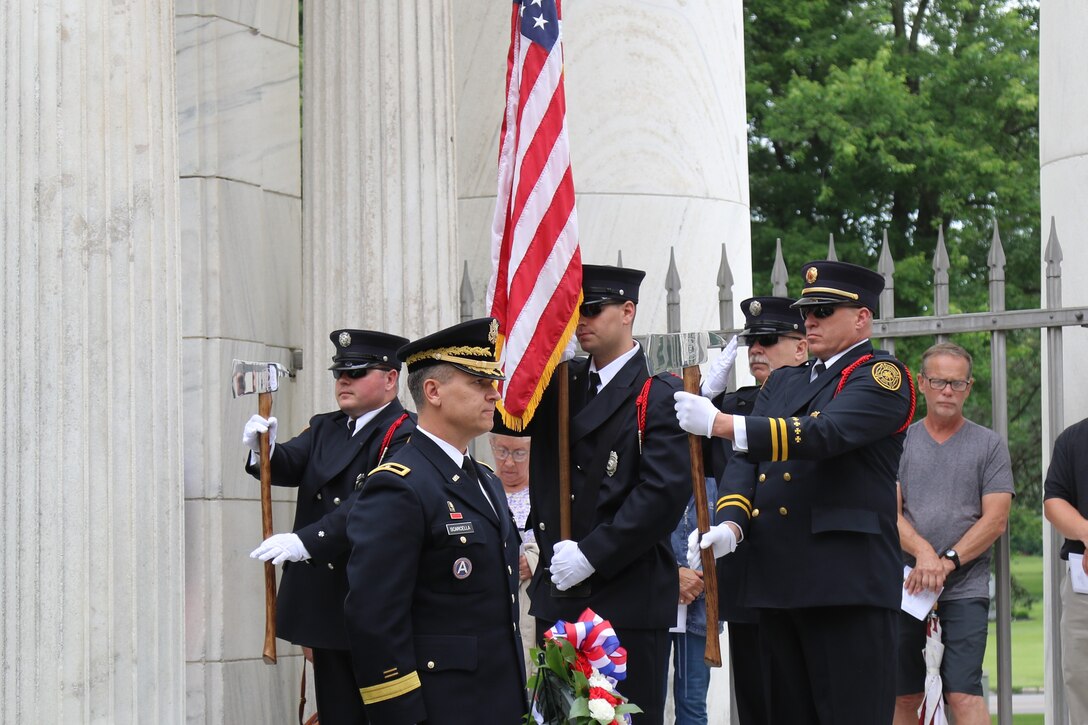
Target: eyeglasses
(354, 373)
(938, 384)
(519, 456)
(592, 309)
(822, 312)
(769, 339)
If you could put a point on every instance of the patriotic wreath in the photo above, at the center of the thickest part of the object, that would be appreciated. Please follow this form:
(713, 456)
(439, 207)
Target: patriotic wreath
(574, 681)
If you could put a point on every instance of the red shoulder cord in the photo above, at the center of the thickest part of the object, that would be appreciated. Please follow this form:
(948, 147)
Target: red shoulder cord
(910, 381)
(389, 436)
(641, 403)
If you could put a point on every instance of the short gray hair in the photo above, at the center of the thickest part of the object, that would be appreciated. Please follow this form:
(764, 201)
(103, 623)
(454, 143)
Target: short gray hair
(947, 348)
(441, 372)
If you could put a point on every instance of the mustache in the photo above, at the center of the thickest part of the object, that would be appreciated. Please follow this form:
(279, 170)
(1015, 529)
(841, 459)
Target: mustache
(758, 359)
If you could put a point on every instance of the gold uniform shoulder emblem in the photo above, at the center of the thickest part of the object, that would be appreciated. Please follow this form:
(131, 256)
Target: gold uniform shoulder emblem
(395, 468)
(887, 375)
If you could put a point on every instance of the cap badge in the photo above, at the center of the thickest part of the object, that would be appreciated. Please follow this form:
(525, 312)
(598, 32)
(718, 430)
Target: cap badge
(811, 274)
(493, 331)
(462, 568)
(755, 308)
(613, 462)
(344, 339)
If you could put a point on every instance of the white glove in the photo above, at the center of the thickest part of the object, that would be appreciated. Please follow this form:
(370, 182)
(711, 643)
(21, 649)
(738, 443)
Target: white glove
(569, 351)
(721, 537)
(717, 377)
(570, 567)
(281, 548)
(694, 413)
(251, 435)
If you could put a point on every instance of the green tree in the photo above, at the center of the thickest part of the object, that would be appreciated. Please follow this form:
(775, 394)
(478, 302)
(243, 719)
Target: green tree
(905, 117)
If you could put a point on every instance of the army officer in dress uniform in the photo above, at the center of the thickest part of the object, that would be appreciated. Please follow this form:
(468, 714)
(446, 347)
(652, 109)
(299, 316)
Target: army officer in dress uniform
(432, 609)
(630, 479)
(328, 463)
(811, 492)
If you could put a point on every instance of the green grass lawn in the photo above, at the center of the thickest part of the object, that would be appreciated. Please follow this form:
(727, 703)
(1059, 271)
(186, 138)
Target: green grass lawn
(1027, 634)
(1023, 719)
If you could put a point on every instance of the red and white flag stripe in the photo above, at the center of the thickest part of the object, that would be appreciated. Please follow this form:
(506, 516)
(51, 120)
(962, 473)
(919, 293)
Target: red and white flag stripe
(535, 287)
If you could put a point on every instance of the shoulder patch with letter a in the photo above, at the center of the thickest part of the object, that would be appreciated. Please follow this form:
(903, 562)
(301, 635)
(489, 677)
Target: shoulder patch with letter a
(397, 468)
(887, 376)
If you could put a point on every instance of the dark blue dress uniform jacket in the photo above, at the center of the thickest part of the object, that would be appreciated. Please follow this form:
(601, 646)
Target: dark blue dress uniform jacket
(731, 568)
(815, 493)
(328, 465)
(432, 610)
(624, 512)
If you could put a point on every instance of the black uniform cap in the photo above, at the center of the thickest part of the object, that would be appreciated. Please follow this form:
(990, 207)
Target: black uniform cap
(832, 283)
(601, 283)
(365, 349)
(469, 346)
(769, 315)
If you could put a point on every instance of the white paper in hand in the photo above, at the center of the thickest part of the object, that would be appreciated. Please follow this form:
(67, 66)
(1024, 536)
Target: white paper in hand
(1077, 578)
(920, 604)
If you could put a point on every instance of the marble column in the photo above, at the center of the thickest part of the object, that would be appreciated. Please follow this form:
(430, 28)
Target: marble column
(655, 107)
(241, 205)
(92, 540)
(1063, 158)
(379, 229)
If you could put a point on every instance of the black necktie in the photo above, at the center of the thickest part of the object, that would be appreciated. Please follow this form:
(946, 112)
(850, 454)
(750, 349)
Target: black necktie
(351, 425)
(474, 480)
(817, 370)
(594, 383)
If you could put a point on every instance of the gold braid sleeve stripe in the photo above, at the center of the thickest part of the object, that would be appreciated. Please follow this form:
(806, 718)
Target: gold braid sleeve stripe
(388, 690)
(735, 499)
(780, 446)
(831, 290)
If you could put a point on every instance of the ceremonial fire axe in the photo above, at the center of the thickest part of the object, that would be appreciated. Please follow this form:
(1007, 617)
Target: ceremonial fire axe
(263, 378)
(686, 350)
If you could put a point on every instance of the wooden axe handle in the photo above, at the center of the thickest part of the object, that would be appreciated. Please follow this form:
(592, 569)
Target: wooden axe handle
(564, 450)
(713, 654)
(264, 407)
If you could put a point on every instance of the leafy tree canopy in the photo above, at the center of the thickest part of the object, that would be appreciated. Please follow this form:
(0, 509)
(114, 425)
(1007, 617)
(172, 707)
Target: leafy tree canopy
(905, 117)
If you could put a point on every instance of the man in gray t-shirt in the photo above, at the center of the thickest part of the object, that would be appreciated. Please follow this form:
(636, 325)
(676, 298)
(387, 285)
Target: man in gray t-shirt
(955, 491)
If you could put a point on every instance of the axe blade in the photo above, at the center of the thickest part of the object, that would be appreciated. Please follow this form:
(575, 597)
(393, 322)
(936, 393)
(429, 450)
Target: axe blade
(678, 350)
(255, 377)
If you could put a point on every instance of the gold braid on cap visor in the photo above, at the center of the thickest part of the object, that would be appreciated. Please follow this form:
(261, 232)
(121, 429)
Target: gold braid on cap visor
(830, 290)
(451, 355)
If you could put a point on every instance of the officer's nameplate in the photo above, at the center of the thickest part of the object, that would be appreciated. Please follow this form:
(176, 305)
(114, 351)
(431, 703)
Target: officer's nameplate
(463, 528)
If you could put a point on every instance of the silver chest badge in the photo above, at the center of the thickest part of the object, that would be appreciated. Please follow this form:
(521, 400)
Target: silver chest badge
(613, 461)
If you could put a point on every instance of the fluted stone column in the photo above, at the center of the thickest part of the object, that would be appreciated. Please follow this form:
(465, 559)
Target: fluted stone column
(241, 206)
(655, 107)
(91, 520)
(379, 215)
(1063, 157)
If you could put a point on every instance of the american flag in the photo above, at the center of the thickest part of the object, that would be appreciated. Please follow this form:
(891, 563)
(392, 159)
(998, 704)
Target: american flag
(536, 282)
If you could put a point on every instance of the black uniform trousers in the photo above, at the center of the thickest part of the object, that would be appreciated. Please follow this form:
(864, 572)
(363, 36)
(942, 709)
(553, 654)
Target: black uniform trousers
(338, 701)
(828, 665)
(747, 679)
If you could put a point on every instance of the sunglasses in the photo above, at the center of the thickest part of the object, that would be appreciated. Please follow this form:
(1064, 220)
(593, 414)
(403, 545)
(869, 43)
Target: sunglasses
(354, 373)
(822, 312)
(592, 309)
(769, 339)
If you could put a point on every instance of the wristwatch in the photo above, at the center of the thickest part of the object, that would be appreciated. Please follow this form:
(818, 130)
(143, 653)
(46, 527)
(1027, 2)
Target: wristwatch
(953, 557)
